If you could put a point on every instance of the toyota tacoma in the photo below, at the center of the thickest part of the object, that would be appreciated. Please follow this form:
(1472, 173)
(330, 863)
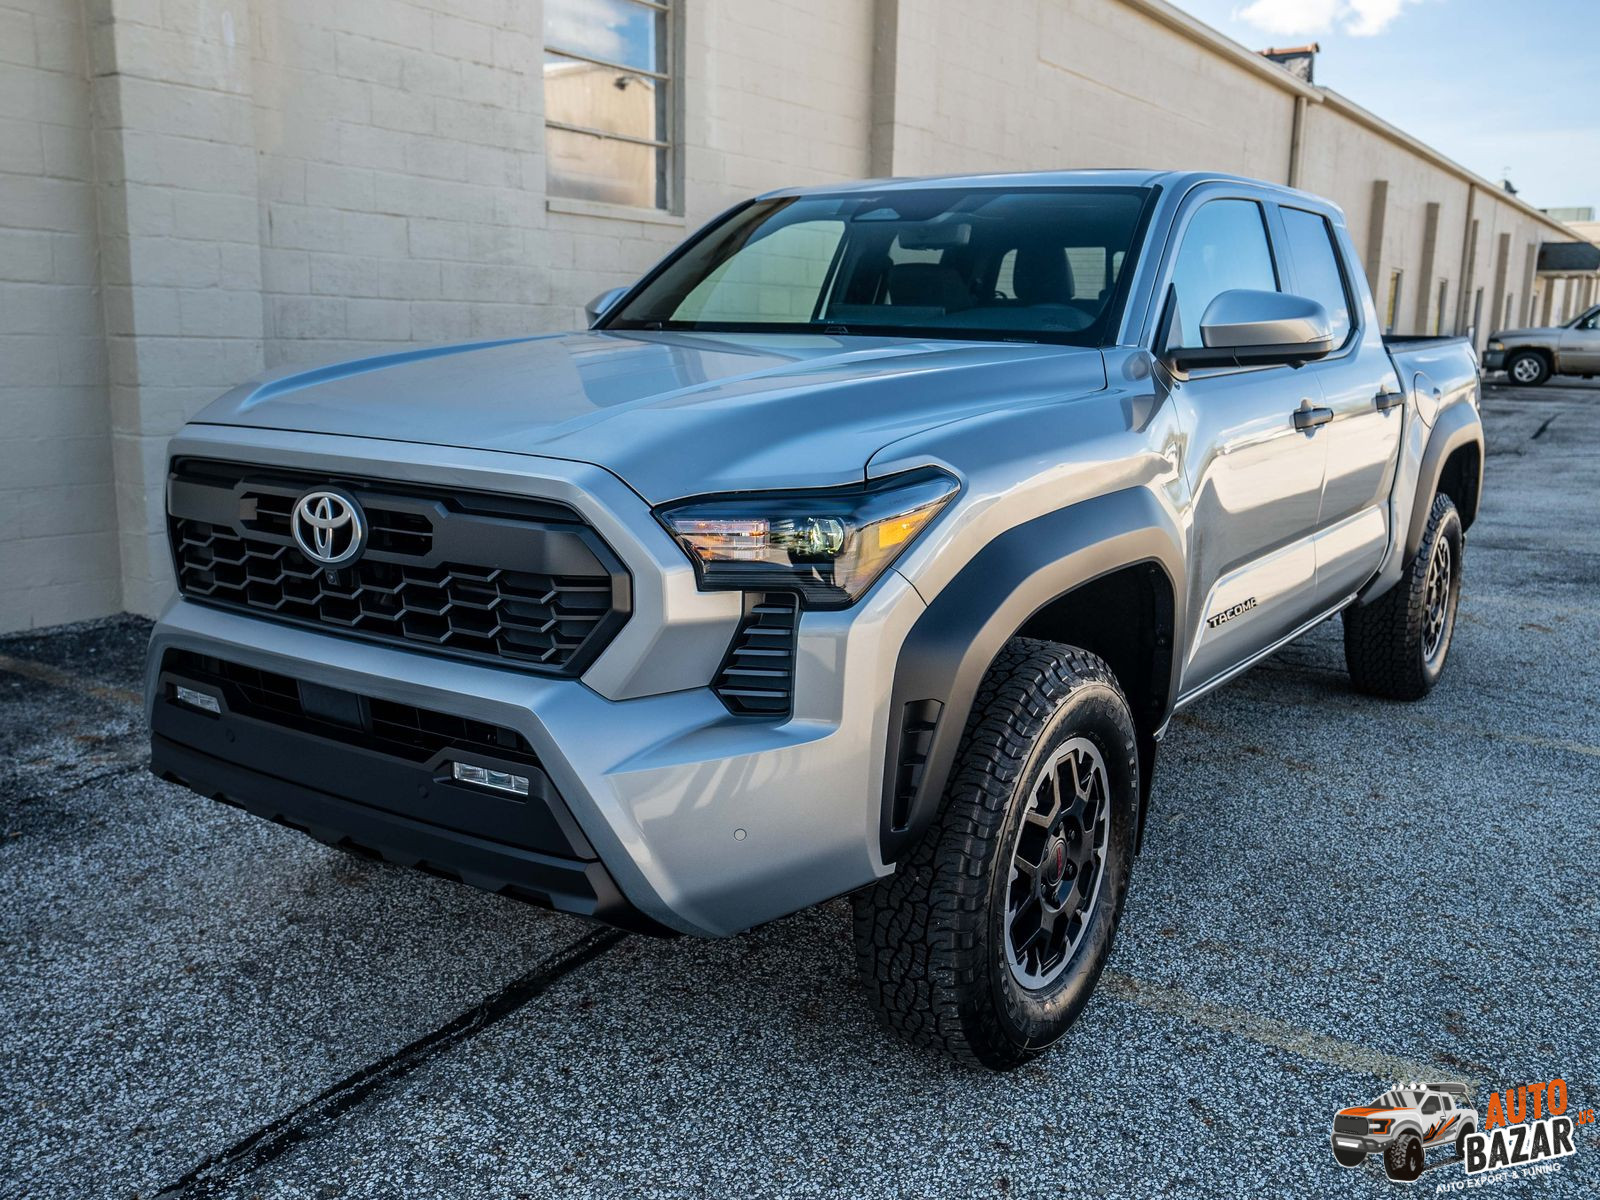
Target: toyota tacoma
(865, 546)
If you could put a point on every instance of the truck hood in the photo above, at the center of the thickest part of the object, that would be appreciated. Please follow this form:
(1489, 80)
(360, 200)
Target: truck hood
(672, 414)
(1543, 332)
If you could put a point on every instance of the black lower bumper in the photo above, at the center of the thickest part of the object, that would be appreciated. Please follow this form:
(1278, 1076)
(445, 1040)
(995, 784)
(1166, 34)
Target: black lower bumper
(338, 785)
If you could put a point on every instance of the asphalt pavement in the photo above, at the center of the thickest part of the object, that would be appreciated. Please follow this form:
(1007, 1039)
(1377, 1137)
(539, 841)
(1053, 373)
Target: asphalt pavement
(1334, 893)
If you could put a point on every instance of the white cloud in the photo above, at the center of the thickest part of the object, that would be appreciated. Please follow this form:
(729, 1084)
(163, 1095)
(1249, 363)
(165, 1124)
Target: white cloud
(1291, 16)
(1369, 17)
(1359, 18)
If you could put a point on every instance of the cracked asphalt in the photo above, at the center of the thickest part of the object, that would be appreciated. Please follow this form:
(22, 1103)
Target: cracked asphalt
(1334, 892)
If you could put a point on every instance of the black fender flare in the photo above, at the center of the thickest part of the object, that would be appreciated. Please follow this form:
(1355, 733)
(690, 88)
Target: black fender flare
(1456, 426)
(943, 659)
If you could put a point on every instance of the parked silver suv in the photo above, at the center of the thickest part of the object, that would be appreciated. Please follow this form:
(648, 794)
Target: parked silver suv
(867, 545)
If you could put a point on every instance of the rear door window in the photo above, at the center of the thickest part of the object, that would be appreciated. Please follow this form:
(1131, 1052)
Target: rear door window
(1316, 267)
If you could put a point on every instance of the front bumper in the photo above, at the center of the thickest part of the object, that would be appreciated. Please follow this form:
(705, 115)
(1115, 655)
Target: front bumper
(1367, 1145)
(1494, 360)
(284, 777)
(686, 817)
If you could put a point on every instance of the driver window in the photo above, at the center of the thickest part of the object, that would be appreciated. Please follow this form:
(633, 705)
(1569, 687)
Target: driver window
(1224, 247)
(1431, 1104)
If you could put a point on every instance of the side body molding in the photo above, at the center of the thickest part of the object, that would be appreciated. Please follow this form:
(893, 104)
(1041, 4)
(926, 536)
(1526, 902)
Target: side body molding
(952, 644)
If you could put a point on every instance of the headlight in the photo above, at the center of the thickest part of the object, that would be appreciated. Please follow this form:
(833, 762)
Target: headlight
(1381, 1127)
(1497, 345)
(829, 546)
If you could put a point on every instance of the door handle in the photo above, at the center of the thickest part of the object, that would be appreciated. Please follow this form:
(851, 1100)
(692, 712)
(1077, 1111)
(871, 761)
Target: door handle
(1307, 417)
(1387, 400)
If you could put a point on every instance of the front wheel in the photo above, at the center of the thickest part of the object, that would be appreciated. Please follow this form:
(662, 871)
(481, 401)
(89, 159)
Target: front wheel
(1348, 1156)
(1395, 647)
(1527, 368)
(1403, 1159)
(987, 940)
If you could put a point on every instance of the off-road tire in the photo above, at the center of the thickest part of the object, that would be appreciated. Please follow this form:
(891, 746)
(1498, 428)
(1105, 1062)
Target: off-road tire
(1384, 642)
(1347, 1157)
(1461, 1142)
(1536, 374)
(1403, 1159)
(930, 939)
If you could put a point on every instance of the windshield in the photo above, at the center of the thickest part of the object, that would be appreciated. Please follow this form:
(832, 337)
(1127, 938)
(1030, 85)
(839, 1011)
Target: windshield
(980, 263)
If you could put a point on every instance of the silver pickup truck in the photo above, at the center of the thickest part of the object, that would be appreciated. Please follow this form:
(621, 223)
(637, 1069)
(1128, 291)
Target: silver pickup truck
(867, 546)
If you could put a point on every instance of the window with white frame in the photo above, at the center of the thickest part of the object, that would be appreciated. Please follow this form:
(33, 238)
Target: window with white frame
(608, 101)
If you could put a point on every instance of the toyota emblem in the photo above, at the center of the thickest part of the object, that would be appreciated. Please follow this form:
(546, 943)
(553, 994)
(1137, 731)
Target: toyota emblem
(329, 528)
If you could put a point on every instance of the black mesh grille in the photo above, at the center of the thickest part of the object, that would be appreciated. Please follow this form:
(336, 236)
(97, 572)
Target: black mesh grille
(1354, 1125)
(402, 730)
(471, 575)
(757, 676)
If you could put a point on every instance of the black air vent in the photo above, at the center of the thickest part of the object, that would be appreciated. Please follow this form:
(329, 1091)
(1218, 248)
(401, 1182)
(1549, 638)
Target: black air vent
(757, 677)
(400, 730)
(917, 726)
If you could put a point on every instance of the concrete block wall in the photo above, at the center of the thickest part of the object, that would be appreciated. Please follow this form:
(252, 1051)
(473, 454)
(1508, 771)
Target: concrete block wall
(195, 191)
(402, 172)
(58, 520)
(180, 253)
(1074, 83)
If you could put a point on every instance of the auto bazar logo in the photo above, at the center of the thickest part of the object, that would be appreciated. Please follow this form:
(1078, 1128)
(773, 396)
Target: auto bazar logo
(1523, 1132)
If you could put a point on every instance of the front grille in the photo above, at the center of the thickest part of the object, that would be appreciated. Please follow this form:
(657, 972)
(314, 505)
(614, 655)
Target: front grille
(757, 676)
(472, 575)
(1356, 1126)
(402, 731)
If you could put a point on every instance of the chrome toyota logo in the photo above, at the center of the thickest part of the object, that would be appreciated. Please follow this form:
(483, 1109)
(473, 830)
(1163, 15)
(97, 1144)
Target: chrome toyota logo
(329, 528)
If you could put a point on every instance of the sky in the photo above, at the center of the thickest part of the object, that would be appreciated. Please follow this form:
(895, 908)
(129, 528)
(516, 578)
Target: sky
(1507, 88)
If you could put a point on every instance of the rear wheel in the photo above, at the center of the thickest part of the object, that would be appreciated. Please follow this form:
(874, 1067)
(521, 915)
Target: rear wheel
(1461, 1143)
(1396, 646)
(1527, 368)
(987, 940)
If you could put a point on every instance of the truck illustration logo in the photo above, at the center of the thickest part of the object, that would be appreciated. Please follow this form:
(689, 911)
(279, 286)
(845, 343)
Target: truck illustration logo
(1403, 1124)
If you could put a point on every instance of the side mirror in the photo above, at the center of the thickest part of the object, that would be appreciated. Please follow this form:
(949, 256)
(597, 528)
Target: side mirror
(1244, 328)
(598, 307)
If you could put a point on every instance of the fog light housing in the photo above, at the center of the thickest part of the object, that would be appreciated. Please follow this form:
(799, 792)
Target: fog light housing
(488, 777)
(195, 699)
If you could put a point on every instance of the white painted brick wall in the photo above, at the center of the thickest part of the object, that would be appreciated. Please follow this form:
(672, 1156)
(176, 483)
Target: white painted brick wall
(248, 183)
(58, 545)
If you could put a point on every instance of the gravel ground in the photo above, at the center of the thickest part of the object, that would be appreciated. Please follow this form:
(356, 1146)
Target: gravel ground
(1334, 892)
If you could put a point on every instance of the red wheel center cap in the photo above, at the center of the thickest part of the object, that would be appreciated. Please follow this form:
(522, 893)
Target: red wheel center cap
(1055, 863)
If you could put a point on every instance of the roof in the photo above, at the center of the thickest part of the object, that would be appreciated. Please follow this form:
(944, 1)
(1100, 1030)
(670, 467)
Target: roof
(1569, 256)
(1179, 181)
(1110, 177)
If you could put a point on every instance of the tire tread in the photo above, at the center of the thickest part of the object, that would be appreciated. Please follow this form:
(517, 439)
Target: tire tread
(919, 933)
(1382, 640)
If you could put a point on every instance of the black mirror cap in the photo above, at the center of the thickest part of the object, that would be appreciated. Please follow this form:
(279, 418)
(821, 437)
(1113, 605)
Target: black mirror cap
(603, 304)
(1292, 354)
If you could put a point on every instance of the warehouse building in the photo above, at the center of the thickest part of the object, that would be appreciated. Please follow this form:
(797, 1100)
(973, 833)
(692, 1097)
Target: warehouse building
(194, 192)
